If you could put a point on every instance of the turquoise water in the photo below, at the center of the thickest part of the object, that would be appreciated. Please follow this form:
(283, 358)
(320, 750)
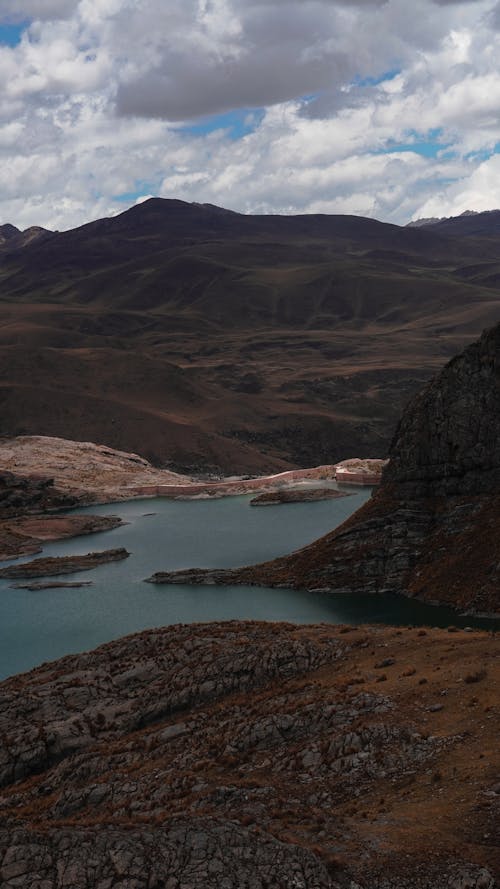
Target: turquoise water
(42, 626)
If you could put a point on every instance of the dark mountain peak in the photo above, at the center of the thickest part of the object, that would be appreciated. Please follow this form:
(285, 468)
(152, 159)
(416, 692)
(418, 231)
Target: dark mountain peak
(172, 207)
(11, 238)
(7, 232)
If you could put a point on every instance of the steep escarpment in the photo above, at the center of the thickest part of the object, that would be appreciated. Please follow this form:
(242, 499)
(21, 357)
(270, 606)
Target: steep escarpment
(433, 528)
(447, 440)
(270, 756)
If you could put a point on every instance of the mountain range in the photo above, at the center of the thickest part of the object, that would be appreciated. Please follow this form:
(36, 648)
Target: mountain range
(214, 341)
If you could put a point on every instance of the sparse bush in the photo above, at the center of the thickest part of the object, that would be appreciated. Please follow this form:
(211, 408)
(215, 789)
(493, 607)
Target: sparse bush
(477, 676)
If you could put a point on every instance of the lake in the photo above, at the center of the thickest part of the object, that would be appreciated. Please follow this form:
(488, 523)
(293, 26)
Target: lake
(41, 626)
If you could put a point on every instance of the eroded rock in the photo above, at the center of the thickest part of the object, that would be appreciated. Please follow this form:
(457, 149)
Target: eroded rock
(259, 755)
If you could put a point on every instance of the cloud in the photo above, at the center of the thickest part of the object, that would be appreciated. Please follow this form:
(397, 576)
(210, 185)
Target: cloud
(363, 107)
(24, 10)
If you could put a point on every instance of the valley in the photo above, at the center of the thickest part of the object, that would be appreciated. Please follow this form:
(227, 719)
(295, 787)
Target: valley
(287, 712)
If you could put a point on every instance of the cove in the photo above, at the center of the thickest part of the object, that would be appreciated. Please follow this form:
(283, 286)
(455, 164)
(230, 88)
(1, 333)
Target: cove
(165, 535)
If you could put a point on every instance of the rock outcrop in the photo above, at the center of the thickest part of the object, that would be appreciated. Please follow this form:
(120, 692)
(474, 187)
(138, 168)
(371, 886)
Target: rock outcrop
(254, 755)
(79, 471)
(27, 493)
(432, 530)
(55, 565)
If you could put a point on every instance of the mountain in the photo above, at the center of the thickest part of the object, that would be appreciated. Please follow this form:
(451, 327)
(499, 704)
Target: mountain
(210, 340)
(432, 530)
(11, 238)
(469, 224)
(254, 755)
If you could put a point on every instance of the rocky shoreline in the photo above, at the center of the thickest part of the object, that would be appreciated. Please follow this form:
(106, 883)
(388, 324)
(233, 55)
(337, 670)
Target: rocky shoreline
(82, 473)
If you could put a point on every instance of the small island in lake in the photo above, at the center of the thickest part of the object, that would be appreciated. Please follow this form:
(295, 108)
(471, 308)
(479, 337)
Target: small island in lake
(296, 495)
(64, 564)
(37, 586)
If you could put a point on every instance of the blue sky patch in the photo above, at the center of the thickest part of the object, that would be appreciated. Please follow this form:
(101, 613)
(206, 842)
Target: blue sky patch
(10, 35)
(483, 154)
(141, 189)
(237, 124)
(375, 81)
(430, 144)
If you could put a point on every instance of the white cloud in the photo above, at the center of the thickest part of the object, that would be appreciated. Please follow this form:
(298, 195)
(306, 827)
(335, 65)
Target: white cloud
(98, 97)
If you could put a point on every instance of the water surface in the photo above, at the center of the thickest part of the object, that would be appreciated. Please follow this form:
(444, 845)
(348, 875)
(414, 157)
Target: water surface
(41, 626)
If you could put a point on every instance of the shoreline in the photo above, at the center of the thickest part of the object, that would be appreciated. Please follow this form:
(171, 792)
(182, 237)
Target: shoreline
(359, 473)
(46, 478)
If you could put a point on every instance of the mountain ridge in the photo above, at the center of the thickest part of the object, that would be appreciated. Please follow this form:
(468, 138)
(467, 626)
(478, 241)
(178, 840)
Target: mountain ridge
(298, 340)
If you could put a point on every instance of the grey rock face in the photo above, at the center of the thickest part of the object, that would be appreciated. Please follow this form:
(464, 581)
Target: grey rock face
(207, 855)
(447, 440)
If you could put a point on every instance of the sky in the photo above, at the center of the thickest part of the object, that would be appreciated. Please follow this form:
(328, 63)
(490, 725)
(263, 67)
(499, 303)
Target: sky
(380, 108)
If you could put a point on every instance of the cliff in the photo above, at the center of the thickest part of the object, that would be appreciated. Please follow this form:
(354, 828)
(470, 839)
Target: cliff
(433, 528)
(254, 755)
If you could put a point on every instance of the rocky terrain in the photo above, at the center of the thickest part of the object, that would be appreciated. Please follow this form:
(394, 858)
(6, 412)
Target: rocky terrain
(53, 566)
(24, 492)
(213, 341)
(296, 495)
(225, 756)
(79, 471)
(432, 530)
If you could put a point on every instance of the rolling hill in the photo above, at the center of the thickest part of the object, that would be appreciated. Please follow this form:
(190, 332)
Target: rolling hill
(213, 341)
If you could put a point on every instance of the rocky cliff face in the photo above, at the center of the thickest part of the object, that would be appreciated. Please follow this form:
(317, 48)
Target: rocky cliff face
(433, 528)
(21, 494)
(264, 756)
(448, 439)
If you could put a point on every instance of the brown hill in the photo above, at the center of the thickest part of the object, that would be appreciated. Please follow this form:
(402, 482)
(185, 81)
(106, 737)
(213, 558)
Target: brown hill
(208, 339)
(254, 755)
(433, 528)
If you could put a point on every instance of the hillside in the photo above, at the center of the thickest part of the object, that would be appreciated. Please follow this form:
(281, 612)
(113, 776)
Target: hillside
(206, 339)
(255, 755)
